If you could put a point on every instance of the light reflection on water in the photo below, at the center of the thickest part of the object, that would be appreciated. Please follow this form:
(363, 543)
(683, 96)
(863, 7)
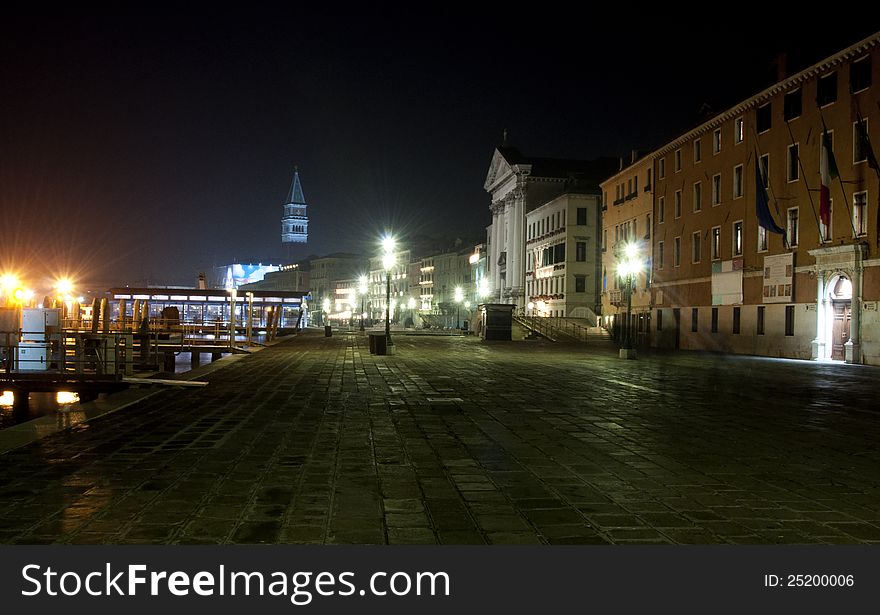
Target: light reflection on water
(66, 403)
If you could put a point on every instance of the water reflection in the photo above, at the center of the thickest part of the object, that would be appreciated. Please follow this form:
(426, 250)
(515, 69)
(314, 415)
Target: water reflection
(39, 404)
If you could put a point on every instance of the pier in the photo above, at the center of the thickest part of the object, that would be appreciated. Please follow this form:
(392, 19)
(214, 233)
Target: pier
(133, 332)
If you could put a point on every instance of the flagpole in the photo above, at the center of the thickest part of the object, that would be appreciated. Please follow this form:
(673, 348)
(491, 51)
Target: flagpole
(839, 178)
(871, 159)
(804, 176)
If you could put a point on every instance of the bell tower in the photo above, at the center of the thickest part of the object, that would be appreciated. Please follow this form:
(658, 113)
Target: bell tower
(295, 220)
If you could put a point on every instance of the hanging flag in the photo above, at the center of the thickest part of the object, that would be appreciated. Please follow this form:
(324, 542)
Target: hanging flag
(865, 142)
(827, 173)
(762, 204)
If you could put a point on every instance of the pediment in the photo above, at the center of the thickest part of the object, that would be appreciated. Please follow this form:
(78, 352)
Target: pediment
(498, 169)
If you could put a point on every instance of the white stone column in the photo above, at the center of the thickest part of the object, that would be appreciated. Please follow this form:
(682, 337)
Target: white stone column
(852, 347)
(497, 248)
(818, 344)
(516, 256)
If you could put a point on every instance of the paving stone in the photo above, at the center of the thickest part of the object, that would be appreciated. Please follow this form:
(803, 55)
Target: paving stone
(339, 446)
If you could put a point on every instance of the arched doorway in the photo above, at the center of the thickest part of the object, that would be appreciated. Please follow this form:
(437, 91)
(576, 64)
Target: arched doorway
(840, 315)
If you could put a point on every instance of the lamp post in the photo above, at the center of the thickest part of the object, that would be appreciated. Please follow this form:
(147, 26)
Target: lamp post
(629, 268)
(459, 296)
(411, 304)
(362, 289)
(388, 263)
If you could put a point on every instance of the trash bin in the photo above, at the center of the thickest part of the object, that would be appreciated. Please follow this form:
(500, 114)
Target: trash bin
(328, 332)
(378, 343)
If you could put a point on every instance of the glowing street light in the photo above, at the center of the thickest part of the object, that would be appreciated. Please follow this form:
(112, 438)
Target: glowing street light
(628, 268)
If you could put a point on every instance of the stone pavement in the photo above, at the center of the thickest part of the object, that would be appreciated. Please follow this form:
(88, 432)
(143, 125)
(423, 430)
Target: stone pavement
(457, 441)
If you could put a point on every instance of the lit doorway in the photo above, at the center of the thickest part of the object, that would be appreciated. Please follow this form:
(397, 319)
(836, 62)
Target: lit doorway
(839, 316)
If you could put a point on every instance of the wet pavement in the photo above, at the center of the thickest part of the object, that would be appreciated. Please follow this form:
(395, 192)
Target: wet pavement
(456, 441)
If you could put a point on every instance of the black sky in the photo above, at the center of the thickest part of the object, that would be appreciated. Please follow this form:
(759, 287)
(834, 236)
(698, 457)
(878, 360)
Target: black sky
(140, 150)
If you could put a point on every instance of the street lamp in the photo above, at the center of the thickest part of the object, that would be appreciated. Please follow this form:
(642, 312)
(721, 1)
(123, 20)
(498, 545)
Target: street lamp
(629, 267)
(388, 260)
(362, 289)
(459, 296)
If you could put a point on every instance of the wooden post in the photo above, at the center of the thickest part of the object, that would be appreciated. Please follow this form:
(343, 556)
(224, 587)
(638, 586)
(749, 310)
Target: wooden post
(129, 354)
(195, 359)
(122, 316)
(105, 315)
(96, 314)
(168, 362)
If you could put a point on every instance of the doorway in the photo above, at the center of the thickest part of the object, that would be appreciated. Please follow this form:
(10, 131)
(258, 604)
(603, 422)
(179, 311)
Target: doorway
(840, 299)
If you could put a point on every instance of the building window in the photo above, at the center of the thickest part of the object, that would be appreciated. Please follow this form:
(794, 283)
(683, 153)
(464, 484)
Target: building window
(581, 251)
(677, 160)
(695, 247)
(860, 141)
(661, 168)
(695, 315)
(714, 320)
(793, 170)
(698, 196)
(739, 132)
(737, 181)
(738, 238)
(716, 141)
(648, 183)
(791, 107)
(635, 184)
(659, 320)
(660, 255)
(676, 252)
(580, 283)
(716, 243)
(716, 189)
(825, 231)
(792, 228)
(581, 216)
(764, 118)
(698, 151)
(676, 209)
(736, 312)
(762, 239)
(860, 213)
(760, 320)
(661, 209)
(789, 320)
(764, 161)
(826, 90)
(604, 239)
(860, 75)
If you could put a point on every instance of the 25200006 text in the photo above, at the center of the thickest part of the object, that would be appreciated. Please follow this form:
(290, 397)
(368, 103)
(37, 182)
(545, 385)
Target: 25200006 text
(809, 580)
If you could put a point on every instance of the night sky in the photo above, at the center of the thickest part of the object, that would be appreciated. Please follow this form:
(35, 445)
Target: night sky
(138, 151)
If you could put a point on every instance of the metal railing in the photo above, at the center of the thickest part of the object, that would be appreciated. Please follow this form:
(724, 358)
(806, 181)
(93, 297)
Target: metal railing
(75, 352)
(555, 328)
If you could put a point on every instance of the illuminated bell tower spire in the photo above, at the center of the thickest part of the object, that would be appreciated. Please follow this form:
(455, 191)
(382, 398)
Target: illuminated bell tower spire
(295, 220)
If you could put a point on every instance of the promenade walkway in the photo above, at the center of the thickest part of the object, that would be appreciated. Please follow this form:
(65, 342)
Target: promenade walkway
(453, 440)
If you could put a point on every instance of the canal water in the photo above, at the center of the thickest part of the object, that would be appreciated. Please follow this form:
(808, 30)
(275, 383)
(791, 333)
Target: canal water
(45, 404)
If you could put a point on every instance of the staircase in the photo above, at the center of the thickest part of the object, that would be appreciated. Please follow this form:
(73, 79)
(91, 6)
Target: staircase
(562, 329)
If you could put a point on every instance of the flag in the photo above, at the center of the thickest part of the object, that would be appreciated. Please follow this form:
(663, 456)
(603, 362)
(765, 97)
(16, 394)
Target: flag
(827, 173)
(865, 142)
(762, 204)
